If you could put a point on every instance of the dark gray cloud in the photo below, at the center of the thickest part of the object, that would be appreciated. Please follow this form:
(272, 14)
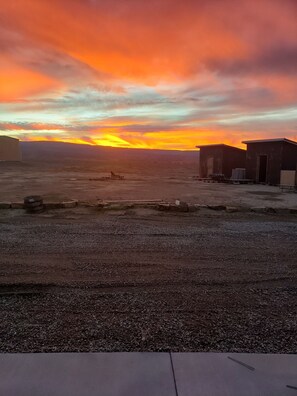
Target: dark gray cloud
(280, 59)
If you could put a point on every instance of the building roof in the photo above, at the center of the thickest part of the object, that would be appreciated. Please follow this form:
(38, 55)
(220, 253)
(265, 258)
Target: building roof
(270, 141)
(218, 145)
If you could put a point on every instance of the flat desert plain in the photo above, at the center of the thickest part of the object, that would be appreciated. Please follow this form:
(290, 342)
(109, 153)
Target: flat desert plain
(137, 279)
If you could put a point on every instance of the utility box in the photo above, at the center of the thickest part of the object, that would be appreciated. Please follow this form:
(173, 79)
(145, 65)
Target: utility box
(238, 174)
(288, 178)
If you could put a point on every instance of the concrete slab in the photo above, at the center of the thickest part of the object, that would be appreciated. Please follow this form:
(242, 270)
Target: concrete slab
(214, 374)
(283, 365)
(106, 374)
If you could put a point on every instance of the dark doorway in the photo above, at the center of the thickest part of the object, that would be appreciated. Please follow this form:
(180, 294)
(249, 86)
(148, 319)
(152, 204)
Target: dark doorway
(262, 168)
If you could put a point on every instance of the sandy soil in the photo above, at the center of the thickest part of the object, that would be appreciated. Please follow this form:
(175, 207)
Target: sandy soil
(141, 280)
(143, 180)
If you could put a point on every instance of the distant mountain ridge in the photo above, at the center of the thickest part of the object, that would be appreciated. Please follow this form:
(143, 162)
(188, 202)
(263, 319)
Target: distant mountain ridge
(47, 151)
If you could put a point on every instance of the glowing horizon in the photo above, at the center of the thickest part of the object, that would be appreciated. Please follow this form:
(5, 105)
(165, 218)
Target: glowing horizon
(163, 75)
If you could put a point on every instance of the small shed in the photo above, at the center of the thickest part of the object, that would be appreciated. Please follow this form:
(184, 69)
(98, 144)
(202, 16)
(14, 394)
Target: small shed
(220, 159)
(10, 149)
(266, 159)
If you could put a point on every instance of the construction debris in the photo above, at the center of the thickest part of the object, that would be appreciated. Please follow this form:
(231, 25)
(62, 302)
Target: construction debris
(69, 204)
(35, 204)
(231, 209)
(32, 204)
(53, 205)
(17, 205)
(260, 209)
(113, 176)
(216, 207)
(134, 201)
(5, 205)
(179, 206)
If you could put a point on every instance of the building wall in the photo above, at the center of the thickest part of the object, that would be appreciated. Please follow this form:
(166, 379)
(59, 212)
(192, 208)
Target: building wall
(9, 149)
(233, 158)
(211, 156)
(289, 158)
(274, 152)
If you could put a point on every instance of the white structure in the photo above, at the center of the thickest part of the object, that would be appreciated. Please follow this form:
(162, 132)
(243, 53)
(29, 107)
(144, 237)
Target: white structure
(10, 149)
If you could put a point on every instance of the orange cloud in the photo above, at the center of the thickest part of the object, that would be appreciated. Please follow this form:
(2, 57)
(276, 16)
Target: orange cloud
(157, 74)
(17, 82)
(147, 42)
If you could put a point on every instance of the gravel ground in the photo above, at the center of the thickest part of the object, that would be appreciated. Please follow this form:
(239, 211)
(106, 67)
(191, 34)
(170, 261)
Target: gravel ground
(141, 280)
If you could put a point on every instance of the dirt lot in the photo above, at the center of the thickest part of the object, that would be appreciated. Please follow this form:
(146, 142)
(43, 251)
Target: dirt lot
(141, 280)
(70, 180)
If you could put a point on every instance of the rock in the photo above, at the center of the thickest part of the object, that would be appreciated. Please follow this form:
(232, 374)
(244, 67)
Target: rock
(180, 206)
(164, 207)
(216, 207)
(258, 209)
(270, 210)
(148, 206)
(5, 205)
(87, 204)
(32, 198)
(282, 210)
(200, 206)
(232, 209)
(243, 209)
(101, 205)
(53, 205)
(193, 208)
(69, 204)
(17, 205)
(118, 206)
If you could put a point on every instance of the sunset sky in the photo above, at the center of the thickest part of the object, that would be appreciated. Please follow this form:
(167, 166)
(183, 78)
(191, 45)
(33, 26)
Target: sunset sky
(167, 74)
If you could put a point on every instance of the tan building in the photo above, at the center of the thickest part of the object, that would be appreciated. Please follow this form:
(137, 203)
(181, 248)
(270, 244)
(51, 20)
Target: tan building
(10, 149)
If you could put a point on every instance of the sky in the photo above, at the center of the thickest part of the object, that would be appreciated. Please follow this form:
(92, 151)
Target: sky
(159, 74)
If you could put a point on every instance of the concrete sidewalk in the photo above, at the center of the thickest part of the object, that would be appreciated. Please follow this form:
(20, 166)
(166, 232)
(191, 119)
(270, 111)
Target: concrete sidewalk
(147, 374)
